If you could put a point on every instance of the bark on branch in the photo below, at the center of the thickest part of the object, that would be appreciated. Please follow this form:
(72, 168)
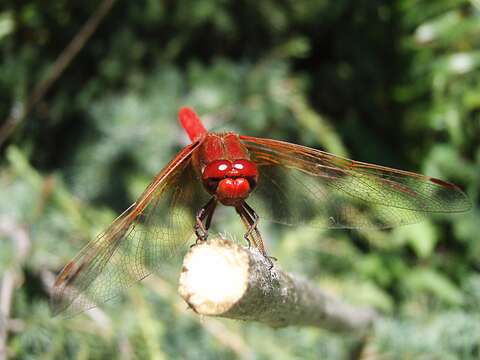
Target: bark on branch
(220, 278)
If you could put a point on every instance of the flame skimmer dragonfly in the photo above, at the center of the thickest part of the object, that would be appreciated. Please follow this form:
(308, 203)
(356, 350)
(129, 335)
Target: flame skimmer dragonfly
(298, 183)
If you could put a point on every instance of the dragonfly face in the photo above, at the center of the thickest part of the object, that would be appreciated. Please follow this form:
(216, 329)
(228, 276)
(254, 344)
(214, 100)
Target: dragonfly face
(223, 164)
(230, 181)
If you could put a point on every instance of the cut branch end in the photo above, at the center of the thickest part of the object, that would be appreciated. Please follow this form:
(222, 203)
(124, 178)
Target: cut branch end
(220, 278)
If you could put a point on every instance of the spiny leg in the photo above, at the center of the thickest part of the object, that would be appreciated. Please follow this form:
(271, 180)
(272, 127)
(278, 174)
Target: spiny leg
(250, 220)
(259, 236)
(203, 220)
(254, 228)
(246, 222)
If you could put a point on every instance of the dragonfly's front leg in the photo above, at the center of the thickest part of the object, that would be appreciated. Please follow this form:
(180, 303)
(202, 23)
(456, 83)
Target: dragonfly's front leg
(203, 220)
(250, 220)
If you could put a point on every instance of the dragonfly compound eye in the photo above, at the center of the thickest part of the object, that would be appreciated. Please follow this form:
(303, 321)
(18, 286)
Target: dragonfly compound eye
(218, 169)
(248, 170)
(214, 172)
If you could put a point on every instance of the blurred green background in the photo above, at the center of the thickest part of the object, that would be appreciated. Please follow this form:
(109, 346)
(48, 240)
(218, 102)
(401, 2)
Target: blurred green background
(395, 83)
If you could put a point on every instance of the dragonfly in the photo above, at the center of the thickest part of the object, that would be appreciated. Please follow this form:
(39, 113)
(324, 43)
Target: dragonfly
(283, 182)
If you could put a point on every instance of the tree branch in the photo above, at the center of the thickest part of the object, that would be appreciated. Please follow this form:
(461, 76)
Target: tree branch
(220, 278)
(20, 111)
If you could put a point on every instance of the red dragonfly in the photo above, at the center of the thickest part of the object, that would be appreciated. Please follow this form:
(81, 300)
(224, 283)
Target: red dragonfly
(284, 182)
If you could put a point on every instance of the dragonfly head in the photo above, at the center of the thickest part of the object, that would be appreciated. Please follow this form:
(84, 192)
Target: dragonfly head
(230, 181)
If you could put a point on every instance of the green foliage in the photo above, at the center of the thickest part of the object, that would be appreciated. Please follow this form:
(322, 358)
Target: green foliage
(394, 83)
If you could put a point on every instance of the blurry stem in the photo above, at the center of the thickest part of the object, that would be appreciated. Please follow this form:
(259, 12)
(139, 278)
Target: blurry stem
(7, 284)
(21, 242)
(20, 111)
(148, 327)
(316, 124)
(48, 188)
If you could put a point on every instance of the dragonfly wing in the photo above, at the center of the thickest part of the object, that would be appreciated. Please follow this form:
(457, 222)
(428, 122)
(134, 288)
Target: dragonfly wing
(301, 185)
(157, 226)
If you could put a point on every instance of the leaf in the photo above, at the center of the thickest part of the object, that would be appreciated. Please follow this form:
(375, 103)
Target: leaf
(422, 237)
(433, 282)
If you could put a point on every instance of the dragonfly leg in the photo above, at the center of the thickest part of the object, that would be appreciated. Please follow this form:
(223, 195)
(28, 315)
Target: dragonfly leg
(247, 221)
(250, 219)
(251, 228)
(203, 220)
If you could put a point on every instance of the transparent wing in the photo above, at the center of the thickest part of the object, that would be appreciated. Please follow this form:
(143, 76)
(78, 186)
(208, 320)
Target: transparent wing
(156, 227)
(303, 185)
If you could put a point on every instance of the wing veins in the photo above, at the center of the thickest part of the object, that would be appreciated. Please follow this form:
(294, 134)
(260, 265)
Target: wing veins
(76, 278)
(306, 162)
